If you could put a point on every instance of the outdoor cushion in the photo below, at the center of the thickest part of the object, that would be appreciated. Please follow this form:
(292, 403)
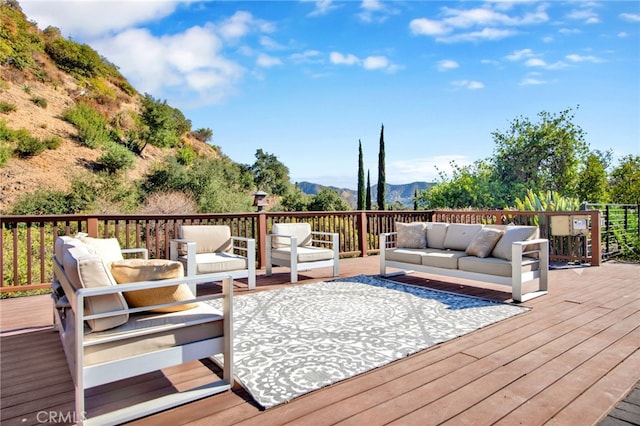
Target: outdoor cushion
(151, 332)
(136, 270)
(107, 248)
(412, 235)
(84, 269)
(483, 242)
(300, 230)
(492, 265)
(305, 254)
(405, 255)
(460, 235)
(443, 258)
(436, 232)
(208, 238)
(512, 234)
(207, 263)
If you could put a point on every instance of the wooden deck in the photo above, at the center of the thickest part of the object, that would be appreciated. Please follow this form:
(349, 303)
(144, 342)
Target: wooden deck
(569, 361)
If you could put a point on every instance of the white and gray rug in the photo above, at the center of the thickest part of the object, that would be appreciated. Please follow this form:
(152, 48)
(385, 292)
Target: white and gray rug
(294, 340)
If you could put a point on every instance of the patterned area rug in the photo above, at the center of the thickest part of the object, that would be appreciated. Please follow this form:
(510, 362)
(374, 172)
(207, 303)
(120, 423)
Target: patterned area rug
(292, 341)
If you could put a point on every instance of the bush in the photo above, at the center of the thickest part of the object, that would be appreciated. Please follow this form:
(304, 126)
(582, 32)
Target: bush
(116, 158)
(91, 125)
(53, 142)
(27, 145)
(40, 101)
(42, 201)
(186, 155)
(5, 153)
(6, 107)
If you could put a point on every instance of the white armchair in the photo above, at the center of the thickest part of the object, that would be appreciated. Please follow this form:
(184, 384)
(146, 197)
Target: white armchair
(205, 249)
(295, 246)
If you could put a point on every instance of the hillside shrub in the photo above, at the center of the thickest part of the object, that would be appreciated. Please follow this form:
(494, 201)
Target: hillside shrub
(52, 142)
(18, 37)
(91, 125)
(6, 107)
(77, 59)
(27, 145)
(115, 158)
(164, 123)
(39, 101)
(186, 155)
(41, 201)
(5, 153)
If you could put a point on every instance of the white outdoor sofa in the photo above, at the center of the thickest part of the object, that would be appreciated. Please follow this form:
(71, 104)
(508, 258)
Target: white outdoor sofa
(499, 254)
(106, 338)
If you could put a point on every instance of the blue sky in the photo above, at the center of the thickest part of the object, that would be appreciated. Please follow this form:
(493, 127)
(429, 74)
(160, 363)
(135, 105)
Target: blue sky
(306, 80)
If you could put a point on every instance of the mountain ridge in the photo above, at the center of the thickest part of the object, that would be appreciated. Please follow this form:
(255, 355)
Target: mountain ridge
(401, 193)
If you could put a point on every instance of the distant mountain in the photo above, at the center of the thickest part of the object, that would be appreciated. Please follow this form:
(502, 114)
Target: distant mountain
(395, 193)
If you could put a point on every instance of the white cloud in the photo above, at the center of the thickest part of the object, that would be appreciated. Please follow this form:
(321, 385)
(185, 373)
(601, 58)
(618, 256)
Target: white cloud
(468, 84)
(79, 19)
(569, 31)
(586, 15)
(375, 62)
(535, 62)
(447, 64)
(266, 61)
(519, 55)
(424, 26)
(531, 81)
(631, 17)
(322, 7)
(423, 169)
(242, 23)
(476, 36)
(338, 58)
(308, 56)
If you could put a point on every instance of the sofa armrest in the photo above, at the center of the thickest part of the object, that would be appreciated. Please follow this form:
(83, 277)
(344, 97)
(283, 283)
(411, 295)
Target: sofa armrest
(387, 240)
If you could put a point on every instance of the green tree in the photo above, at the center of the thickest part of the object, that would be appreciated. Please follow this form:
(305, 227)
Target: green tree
(270, 174)
(294, 200)
(540, 156)
(592, 180)
(368, 198)
(361, 189)
(625, 181)
(382, 185)
(328, 200)
(165, 124)
(415, 199)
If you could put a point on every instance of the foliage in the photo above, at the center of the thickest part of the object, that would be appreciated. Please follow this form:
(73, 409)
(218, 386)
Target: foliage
(546, 201)
(270, 175)
(18, 37)
(368, 197)
(470, 186)
(540, 156)
(203, 135)
(91, 125)
(592, 181)
(27, 145)
(39, 101)
(382, 184)
(115, 158)
(5, 153)
(79, 60)
(328, 200)
(186, 155)
(41, 201)
(6, 107)
(294, 200)
(164, 123)
(360, 205)
(625, 181)
(171, 202)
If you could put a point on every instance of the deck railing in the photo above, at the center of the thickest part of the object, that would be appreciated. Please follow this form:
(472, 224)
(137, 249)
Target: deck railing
(28, 241)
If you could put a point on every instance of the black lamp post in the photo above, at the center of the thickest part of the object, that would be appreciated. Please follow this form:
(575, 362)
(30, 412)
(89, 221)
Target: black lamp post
(259, 199)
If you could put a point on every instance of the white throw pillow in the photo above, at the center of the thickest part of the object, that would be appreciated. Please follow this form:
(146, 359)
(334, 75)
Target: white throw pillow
(412, 235)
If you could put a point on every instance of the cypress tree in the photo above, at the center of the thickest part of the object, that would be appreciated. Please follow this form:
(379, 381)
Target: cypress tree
(368, 201)
(381, 173)
(415, 199)
(361, 188)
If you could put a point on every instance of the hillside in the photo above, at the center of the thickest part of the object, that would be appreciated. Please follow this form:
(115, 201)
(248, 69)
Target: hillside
(29, 74)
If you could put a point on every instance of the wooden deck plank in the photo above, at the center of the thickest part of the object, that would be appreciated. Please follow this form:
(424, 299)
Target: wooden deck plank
(567, 361)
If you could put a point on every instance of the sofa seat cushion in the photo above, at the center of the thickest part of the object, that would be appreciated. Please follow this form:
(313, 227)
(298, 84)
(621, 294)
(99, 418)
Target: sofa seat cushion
(145, 333)
(412, 235)
(304, 254)
(460, 235)
(207, 263)
(137, 270)
(405, 255)
(493, 265)
(447, 259)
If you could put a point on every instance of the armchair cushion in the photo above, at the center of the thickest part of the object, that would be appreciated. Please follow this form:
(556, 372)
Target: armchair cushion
(136, 270)
(207, 263)
(208, 238)
(302, 231)
(87, 270)
(304, 254)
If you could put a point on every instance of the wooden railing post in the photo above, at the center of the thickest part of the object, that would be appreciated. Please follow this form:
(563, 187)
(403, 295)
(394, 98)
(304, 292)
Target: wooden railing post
(92, 227)
(596, 238)
(362, 233)
(262, 239)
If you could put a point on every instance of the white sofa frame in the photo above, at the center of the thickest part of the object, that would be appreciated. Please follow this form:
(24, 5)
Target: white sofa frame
(331, 238)
(94, 375)
(249, 254)
(515, 281)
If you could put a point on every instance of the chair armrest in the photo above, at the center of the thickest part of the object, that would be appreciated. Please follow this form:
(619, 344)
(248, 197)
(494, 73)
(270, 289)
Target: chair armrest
(144, 251)
(387, 240)
(250, 249)
(292, 238)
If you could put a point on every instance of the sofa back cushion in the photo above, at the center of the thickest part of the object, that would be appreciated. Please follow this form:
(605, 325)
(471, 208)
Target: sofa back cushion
(85, 269)
(208, 238)
(459, 235)
(300, 230)
(436, 232)
(136, 270)
(107, 248)
(502, 250)
(412, 235)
